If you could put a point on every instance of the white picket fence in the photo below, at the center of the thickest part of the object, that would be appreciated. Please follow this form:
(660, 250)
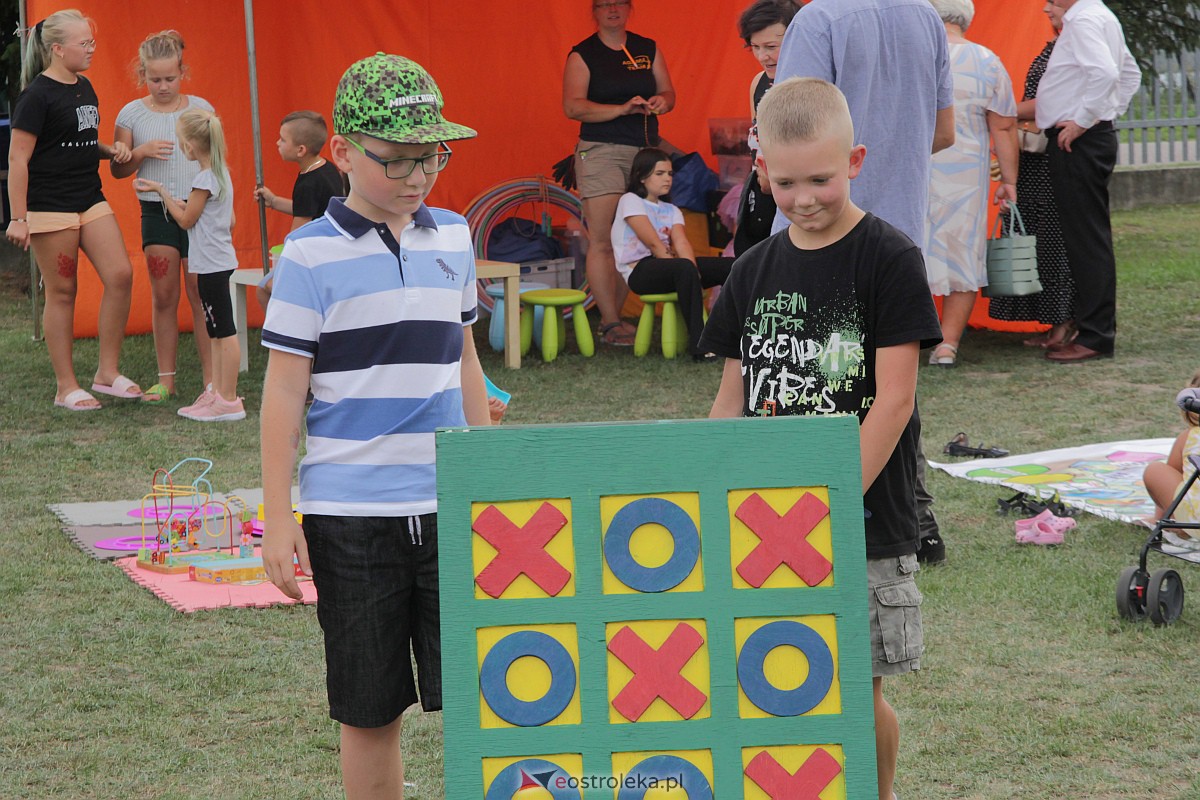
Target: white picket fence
(1162, 125)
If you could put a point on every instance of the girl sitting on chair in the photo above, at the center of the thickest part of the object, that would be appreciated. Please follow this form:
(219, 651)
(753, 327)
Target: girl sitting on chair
(652, 250)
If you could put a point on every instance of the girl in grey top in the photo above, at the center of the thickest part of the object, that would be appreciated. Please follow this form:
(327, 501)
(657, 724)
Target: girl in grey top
(147, 127)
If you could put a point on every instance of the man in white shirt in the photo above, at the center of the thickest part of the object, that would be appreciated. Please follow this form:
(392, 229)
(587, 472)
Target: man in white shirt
(1088, 83)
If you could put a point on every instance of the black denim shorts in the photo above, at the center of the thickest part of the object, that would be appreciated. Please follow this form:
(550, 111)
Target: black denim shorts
(159, 227)
(377, 602)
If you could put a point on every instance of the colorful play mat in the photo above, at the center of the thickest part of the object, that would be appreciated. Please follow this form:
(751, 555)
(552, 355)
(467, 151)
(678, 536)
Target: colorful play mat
(1101, 479)
(114, 530)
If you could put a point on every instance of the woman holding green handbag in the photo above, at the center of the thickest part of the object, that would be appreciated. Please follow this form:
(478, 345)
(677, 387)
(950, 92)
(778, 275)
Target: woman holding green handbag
(956, 227)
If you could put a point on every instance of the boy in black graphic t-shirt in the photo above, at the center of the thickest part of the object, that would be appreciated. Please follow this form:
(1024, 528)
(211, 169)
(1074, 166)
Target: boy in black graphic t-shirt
(827, 317)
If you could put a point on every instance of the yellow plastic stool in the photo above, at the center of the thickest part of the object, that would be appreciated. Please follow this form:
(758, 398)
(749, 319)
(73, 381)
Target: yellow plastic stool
(674, 331)
(554, 328)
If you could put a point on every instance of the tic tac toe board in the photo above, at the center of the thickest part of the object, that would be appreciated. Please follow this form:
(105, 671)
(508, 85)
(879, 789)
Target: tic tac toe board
(633, 609)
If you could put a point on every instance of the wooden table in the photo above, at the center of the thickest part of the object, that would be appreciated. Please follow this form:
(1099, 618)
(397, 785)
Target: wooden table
(238, 281)
(511, 274)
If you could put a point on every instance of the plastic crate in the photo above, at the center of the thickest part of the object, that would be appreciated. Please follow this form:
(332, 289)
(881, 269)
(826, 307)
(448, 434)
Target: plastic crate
(557, 273)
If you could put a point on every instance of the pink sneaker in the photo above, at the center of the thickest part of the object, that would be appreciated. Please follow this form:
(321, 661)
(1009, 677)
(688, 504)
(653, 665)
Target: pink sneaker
(218, 410)
(203, 400)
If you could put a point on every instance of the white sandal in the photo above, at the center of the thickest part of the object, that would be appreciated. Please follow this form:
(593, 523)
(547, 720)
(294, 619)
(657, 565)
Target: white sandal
(938, 359)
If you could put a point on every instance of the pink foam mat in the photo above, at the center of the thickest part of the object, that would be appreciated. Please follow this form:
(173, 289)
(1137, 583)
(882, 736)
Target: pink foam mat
(188, 595)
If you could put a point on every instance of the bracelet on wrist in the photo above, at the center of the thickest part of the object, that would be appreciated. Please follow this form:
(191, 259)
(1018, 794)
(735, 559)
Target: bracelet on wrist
(19, 219)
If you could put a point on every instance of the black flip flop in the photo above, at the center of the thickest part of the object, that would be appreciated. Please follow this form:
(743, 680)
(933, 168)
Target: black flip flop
(961, 446)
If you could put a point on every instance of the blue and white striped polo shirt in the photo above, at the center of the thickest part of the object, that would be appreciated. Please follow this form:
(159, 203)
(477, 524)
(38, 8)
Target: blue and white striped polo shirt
(383, 323)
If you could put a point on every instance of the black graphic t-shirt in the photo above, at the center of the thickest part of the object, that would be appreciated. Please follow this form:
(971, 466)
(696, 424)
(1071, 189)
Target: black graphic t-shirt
(64, 170)
(806, 324)
(313, 190)
(614, 81)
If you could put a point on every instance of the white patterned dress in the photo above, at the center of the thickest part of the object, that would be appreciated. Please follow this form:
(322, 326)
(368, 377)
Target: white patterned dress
(956, 226)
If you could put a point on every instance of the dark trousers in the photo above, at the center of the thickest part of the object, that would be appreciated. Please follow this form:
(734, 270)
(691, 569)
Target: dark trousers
(688, 281)
(925, 519)
(1080, 182)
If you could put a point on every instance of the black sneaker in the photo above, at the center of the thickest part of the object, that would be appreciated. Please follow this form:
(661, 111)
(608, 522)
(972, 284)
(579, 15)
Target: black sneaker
(931, 549)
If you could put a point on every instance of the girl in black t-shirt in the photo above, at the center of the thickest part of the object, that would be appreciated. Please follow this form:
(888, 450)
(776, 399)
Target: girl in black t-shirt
(58, 206)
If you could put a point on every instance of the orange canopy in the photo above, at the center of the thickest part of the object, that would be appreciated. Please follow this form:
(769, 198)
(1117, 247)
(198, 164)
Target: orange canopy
(499, 74)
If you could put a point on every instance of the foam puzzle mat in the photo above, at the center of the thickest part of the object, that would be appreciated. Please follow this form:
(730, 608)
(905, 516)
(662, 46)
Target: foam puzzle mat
(1102, 479)
(187, 595)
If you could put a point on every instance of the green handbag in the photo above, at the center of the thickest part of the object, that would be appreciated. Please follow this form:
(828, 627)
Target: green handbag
(1011, 259)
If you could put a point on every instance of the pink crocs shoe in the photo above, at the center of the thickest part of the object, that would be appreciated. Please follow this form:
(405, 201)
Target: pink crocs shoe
(1060, 524)
(1040, 533)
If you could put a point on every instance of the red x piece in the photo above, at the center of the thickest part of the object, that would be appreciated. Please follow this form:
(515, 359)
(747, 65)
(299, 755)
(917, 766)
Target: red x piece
(807, 784)
(656, 672)
(521, 550)
(783, 540)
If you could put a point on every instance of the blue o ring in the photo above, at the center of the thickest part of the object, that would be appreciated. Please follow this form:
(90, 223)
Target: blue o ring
(753, 679)
(510, 780)
(652, 579)
(695, 785)
(493, 678)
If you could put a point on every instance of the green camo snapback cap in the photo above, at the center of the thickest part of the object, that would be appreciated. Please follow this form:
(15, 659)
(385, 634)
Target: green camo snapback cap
(393, 98)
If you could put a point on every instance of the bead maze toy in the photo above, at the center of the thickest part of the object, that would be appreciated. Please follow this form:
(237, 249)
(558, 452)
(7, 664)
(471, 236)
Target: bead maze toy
(188, 537)
(180, 514)
(629, 628)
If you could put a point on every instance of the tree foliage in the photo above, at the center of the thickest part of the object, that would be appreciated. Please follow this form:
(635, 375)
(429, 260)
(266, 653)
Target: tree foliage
(1151, 26)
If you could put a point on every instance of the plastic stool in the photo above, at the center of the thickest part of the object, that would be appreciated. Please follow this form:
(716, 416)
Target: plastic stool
(554, 328)
(496, 327)
(674, 331)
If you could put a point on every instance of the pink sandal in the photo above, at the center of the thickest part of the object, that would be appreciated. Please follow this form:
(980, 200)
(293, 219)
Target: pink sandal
(119, 388)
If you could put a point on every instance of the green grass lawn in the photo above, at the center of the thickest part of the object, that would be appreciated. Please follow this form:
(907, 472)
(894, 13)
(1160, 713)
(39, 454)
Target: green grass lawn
(1031, 688)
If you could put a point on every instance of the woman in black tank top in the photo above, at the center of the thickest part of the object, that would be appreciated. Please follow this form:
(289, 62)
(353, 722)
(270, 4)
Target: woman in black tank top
(617, 85)
(762, 27)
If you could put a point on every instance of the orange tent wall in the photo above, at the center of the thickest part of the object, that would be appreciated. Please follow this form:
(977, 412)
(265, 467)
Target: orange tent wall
(498, 74)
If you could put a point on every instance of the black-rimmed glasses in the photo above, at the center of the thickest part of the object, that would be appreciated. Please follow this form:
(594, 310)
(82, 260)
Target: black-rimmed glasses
(398, 168)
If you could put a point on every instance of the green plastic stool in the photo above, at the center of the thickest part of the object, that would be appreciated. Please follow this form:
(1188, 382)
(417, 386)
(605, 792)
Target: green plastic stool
(674, 331)
(554, 327)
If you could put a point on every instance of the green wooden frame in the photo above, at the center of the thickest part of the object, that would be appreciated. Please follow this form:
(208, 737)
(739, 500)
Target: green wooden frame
(588, 461)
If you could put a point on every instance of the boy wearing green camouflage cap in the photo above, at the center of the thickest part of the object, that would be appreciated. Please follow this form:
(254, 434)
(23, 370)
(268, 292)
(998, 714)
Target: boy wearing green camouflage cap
(372, 309)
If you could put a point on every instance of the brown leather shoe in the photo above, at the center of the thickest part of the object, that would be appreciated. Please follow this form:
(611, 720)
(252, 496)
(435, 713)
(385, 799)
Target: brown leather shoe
(1073, 353)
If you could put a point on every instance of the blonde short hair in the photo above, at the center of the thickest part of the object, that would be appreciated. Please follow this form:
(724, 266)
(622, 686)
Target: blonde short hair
(803, 110)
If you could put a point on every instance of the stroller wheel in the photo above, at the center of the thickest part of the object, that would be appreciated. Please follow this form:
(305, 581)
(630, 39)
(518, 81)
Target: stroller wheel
(1164, 596)
(1131, 594)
